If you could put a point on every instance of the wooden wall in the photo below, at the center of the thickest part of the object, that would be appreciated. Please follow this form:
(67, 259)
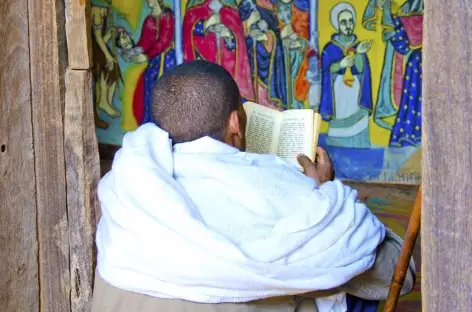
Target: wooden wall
(48, 157)
(19, 271)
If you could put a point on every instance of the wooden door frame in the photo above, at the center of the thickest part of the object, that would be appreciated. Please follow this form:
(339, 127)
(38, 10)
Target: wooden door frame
(447, 164)
(81, 154)
(49, 163)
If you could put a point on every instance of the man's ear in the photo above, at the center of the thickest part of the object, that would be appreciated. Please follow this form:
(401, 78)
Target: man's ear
(235, 127)
(235, 130)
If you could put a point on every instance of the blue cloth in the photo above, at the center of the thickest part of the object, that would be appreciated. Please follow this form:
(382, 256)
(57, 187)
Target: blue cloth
(151, 75)
(333, 53)
(303, 5)
(407, 128)
(270, 68)
(355, 304)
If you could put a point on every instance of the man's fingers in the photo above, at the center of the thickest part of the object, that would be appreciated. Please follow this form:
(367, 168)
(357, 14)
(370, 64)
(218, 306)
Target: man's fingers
(321, 156)
(324, 165)
(308, 167)
(305, 162)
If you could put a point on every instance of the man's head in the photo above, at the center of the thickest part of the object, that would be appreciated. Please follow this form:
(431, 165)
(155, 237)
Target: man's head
(284, 10)
(343, 18)
(346, 23)
(153, 4)
(380, 3)
(123, 40)
(199, 99)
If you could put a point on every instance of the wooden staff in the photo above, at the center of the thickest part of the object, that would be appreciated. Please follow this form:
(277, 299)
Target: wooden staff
(256, 74)
(405, 255)
(288, 74)
(218, 45)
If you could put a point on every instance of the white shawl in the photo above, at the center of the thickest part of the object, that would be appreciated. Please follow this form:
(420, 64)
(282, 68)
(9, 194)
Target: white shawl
(207, 223)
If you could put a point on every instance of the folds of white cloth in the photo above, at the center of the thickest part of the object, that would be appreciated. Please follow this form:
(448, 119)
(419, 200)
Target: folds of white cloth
(204, 222)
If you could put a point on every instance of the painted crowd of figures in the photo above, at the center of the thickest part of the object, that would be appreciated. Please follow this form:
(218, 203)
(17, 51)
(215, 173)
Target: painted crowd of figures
(266, 45)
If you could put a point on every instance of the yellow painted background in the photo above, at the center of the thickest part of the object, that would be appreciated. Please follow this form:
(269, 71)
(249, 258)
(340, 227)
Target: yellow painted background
(378, 136)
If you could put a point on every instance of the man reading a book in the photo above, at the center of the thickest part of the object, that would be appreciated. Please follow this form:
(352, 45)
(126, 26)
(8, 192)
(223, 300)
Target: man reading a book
(191, 222)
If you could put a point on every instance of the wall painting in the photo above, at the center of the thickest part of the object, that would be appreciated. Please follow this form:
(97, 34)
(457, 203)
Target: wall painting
(357, 62)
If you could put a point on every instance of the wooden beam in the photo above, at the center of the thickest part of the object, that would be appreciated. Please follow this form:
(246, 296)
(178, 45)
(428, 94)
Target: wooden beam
(48, 58)
(83, 174)
(447, 163)
(78, 30)
(19, 285)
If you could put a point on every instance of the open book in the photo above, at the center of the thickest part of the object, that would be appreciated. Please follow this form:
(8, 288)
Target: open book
(285, 134)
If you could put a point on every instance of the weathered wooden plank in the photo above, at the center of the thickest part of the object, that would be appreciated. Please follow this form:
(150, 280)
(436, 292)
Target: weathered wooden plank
(48, 57)
(447, 164)
(91, 153)
(83, 174)
(78, 30)
(18, 256)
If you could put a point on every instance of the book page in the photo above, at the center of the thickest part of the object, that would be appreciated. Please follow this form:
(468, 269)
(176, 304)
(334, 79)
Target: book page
(316, 131)
(296, 135)
(262, 129)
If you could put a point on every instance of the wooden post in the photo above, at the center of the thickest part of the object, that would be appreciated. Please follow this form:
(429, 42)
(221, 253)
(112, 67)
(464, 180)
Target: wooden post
(78, 27)
(19, 283)
(48, 58)
(447, 162)
(81, 155)
(83, 173)
(41, 225)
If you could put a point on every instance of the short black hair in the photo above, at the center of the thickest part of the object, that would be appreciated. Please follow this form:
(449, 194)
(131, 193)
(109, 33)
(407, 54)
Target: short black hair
(194, 100)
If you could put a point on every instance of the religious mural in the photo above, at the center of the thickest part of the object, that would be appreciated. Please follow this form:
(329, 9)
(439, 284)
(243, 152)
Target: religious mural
(371, 87)
(133, 45)
(106, 71)
(357, 62)
(346, 100)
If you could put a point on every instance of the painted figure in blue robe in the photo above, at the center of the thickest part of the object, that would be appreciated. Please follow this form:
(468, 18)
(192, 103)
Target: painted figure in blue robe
(400, 91)
(346, 99)
(265, 53)
(294, 31)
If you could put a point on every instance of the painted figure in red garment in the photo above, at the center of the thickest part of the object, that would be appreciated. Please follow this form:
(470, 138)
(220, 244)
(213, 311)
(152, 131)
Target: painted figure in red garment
(157, 44)
(212, 30)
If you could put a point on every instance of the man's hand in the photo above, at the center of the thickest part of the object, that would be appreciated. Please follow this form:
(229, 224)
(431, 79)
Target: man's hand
(109, 35)
(255, 33)
(110, 62)
(364, 47)
(286, 32)
(322, 170)
(347, 61)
